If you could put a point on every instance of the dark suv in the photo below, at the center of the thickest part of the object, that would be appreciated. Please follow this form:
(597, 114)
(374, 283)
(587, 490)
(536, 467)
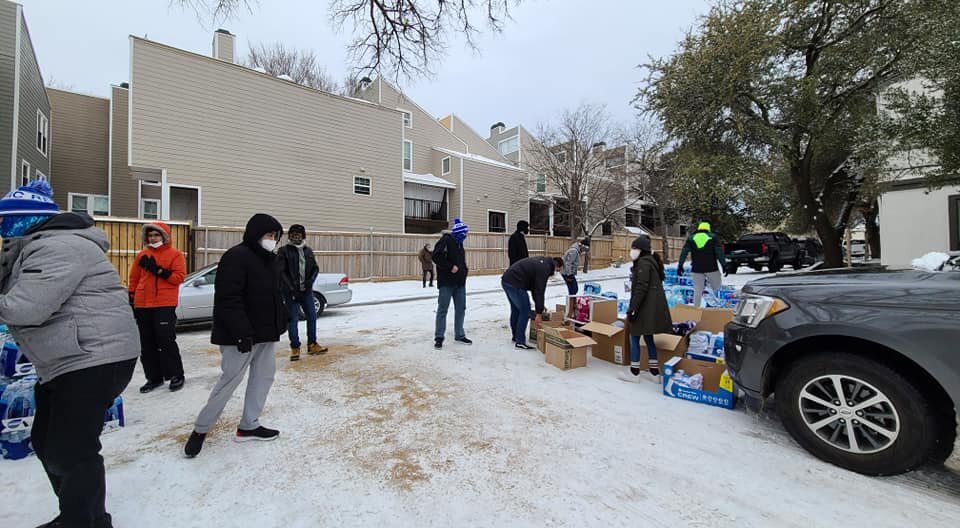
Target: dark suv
(864, 363)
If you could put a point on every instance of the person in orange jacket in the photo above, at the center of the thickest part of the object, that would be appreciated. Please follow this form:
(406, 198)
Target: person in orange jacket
(154, 288)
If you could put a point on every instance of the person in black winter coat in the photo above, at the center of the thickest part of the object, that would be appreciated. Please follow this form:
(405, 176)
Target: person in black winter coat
(248, 319)
(517, 249)
(528, 275)
(451, 261)
(298, 271)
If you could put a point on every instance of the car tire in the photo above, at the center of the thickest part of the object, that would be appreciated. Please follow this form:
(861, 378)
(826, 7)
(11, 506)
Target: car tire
(775, 266)
(797, 263)
(319, 303)
(732, 268)
(903, 412)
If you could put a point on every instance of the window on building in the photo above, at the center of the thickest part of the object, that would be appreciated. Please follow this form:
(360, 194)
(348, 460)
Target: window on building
(496, 222)
(43, 133)
(92, 204)
(615, 161)
(684, 230)
(445, 166)
(955, 223)
(40, 176)
(509, 146)
(541, 183)
(25, 172)
(407, 119)
(361, 185)
(151, 209)
(633, 218)
(408, 155)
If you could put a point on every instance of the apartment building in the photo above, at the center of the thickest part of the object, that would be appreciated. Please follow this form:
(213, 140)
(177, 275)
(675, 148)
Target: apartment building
(80, 162)
(25, 121)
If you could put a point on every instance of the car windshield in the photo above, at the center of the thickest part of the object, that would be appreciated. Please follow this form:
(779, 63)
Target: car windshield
(755, 238)
(951, 265)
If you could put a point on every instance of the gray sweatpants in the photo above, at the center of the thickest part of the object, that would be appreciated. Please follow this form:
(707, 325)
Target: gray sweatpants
(715, 279)
(262, 364)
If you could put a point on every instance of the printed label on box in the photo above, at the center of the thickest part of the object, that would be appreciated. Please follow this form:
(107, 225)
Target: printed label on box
(618, 354)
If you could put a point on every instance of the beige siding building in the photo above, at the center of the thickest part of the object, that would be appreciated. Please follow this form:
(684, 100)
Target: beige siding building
(124, 189)
(82, 136)
(235, 141)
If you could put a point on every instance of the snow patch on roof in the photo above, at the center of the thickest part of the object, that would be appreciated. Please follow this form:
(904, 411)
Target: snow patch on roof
(479, 159)
(427, 179)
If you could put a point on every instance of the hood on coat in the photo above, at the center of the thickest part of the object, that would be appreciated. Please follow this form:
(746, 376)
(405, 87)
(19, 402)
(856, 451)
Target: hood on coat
(160, 227)
(260, 224)
(78, 224)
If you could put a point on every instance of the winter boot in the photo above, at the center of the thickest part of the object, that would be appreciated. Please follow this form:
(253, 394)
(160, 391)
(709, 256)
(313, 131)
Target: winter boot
(438, 343)
(176, 383)
(522, 346)
(313, 349)
(194, 444)
(149, 386)
(56, 523)
(294, 353)
(463, 340)
(260, 433)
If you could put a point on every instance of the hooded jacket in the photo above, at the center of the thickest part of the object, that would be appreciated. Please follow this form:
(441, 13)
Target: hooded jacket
(571, 260)
(705, 251)
(425, 256)
(62, 299)
(517, 248)
(154, 291)
(448, 253)
(649, 313)
(246, 299)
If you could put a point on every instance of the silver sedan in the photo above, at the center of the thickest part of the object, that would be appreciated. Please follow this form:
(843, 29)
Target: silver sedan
(196, 294)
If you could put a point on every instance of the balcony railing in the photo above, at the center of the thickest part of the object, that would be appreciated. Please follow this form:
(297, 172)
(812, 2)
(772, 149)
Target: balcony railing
(424, 209)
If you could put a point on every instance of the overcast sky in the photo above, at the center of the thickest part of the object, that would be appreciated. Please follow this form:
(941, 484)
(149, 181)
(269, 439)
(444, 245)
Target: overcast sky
(553, 55)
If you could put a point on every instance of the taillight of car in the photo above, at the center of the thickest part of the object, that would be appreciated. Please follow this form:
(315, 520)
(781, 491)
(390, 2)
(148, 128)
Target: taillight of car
(764, 248)
(345, 281)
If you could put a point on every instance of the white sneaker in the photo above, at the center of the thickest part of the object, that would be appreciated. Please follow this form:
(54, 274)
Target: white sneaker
(626, 375)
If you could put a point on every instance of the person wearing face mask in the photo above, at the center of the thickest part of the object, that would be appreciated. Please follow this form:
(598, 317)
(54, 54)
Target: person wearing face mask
(517, 249)
(298, 271)
(571, 263)
(425, 256)
(649, 313)
(248, 319)
(528, 275)
(451, 260)
(154, 290)
(63, 303)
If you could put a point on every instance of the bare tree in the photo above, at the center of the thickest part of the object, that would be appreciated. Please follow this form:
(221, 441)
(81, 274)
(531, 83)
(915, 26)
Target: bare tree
(301, 66)
(58, 84)
(571, 157)
(394, 37)
(649, 173)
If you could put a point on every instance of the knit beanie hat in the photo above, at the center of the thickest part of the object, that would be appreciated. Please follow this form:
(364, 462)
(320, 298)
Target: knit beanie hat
(297, 228)
(460, 230)
(25, 207)
(642, 243)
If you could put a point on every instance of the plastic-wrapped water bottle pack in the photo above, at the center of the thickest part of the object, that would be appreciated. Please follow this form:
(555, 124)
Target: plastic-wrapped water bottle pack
(694, 382)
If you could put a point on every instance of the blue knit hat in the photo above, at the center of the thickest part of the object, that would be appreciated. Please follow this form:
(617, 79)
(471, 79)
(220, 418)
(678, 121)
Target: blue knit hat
(35, 198)
(460, 230)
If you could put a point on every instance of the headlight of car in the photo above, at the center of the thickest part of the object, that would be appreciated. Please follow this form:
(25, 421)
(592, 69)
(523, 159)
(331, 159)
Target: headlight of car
(754, 309)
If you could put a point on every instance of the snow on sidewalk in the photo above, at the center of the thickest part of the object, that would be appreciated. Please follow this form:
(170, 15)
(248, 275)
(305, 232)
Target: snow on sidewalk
(386, 431)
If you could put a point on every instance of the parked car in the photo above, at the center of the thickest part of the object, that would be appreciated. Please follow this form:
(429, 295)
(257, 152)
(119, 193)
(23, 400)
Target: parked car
(811, 251)
(863, 362)
(756, 250)
(196, 294)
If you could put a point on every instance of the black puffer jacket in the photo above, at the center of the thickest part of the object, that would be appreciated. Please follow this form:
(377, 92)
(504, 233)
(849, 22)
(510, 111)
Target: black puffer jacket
(447, 253)
(247, 301)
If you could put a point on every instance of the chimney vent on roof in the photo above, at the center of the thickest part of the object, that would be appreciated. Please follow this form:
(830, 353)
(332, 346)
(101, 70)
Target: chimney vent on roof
(124, 85)
(498, 127)
(365, 82)
(224, 46)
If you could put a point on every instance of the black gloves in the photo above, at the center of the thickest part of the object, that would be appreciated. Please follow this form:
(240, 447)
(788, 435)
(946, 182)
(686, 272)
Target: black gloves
(131, 295)
(150, 264)
(680, 271)
(245, 344)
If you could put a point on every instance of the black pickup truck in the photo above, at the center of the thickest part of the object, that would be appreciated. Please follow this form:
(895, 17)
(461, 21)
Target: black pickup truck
(756, 250)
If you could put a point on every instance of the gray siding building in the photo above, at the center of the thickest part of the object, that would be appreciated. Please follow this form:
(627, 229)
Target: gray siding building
(25, 120)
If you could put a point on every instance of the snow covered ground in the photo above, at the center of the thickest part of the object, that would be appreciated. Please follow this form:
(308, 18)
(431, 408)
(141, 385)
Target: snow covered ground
(386, 431)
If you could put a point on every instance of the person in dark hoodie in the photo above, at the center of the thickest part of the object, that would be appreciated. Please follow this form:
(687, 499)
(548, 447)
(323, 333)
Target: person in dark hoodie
(63, 303)
(528, 275)
(298, 271)
(649, 313)
(451, 261)
(517, 249)
(248, 319)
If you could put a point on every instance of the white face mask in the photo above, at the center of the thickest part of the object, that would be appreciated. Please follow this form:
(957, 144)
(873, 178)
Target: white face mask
(634, 254)
(155, 245)
(268, 244)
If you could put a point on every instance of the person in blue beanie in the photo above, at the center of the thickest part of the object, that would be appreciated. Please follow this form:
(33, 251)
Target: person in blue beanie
(62, 301)
(451, 261)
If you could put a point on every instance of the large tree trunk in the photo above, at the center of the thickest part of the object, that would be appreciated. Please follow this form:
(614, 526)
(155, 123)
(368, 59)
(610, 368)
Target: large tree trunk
(870, 215)
(831, 240)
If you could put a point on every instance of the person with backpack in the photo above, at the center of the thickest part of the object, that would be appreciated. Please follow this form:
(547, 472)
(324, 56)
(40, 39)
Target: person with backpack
(571, 263)
(248, 319)
(298, 271)
(451, 261)
(62, 301)
(705, 253)
(528, 275)
(425, 256)
(154, 289)
(649, 313)
(517, 247)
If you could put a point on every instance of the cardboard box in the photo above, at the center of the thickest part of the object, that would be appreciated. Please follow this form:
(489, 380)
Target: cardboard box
(708, 320)
(602, 310)
(565, 348)
(717, 385)
(555, 321)
(542, 342)
(613, 343)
